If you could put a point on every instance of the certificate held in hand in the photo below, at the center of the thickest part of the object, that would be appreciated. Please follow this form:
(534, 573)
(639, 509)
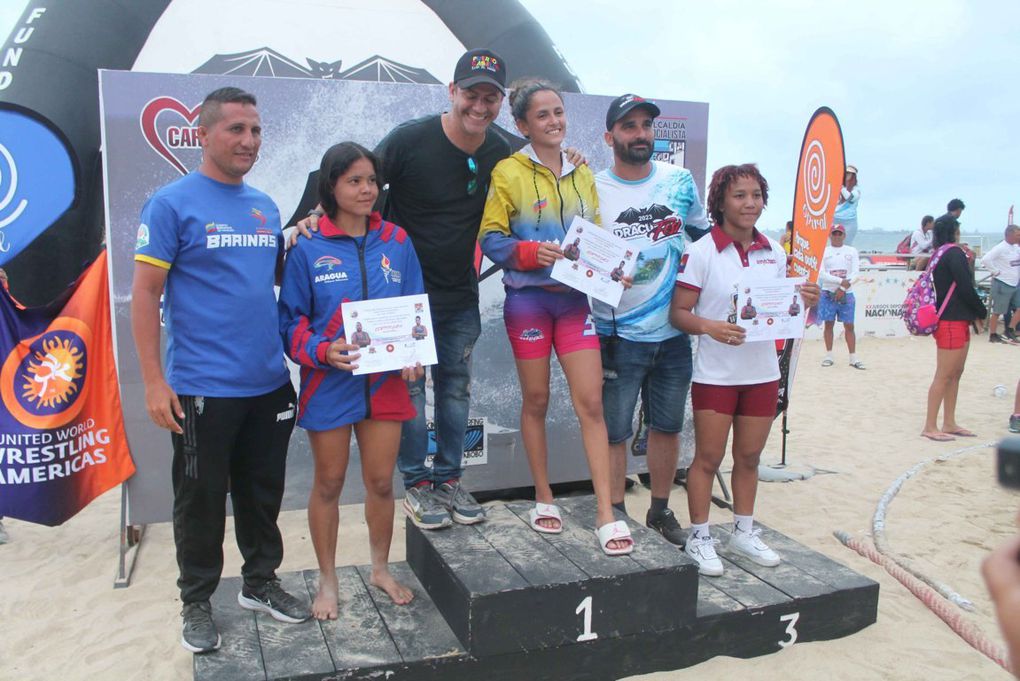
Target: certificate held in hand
(391, 333)
(594, 262)
(770, 309)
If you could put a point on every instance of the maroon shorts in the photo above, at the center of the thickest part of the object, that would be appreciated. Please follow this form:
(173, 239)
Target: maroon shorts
(756, 399)
(951, 335)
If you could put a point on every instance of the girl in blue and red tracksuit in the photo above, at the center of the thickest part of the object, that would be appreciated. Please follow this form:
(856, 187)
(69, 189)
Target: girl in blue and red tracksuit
(355, 255)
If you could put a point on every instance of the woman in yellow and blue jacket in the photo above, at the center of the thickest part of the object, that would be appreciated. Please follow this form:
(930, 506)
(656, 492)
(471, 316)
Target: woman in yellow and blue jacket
(534, 195)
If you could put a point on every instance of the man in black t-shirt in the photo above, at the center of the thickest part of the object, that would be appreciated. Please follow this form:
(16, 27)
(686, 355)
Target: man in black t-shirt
(438, 170)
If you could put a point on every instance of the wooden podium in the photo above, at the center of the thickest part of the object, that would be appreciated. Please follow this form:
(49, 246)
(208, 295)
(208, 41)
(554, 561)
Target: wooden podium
(498, 601)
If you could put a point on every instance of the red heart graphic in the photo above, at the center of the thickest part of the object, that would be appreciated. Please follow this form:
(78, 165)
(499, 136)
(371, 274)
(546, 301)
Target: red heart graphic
(151, 111)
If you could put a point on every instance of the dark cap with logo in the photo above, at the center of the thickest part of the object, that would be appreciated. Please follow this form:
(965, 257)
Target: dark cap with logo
(624, 104)
(480, 66)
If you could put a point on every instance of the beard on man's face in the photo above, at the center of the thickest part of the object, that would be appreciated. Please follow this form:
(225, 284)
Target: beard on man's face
(636, 152)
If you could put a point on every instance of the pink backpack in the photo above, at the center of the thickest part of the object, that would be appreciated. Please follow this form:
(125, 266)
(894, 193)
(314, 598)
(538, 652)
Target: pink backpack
(918, 309)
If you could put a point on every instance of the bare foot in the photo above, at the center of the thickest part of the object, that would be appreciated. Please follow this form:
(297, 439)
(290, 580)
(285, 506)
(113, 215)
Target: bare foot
(382, 579)
(325, 606)
(937, 435)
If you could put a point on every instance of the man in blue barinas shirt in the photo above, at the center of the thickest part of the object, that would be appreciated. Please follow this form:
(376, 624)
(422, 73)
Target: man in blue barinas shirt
(214, 244)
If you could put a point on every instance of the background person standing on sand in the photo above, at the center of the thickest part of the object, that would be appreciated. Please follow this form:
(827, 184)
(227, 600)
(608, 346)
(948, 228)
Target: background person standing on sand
(846, 209)
(840, 267)
(952, 337)
(1003, 261)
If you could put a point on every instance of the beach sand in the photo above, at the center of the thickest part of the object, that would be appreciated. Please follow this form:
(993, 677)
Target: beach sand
(61, 618)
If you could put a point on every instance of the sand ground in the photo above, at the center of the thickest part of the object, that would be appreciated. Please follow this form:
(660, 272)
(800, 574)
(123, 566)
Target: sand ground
(61, 618)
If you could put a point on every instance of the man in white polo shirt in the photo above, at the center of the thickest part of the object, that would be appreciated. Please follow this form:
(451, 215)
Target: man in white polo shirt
(1003, 261)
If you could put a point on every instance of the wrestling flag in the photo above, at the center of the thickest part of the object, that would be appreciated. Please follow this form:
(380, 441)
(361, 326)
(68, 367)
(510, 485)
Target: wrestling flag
(62, 439)
(819, 180)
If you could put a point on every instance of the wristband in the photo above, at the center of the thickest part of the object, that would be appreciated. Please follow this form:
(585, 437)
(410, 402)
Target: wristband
(316, 212)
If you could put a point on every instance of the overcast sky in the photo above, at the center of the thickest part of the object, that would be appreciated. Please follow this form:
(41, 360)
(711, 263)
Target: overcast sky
(926, 93)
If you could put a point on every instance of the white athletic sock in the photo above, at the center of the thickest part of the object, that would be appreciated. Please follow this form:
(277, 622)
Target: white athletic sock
(743, 523)
(700, 531)
(853, 357)
(828, 355)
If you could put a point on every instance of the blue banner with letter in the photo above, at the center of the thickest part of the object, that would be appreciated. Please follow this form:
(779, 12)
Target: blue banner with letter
(36, 181)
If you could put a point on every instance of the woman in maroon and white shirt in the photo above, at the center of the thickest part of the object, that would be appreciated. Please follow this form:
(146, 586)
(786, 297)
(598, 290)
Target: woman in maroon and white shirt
(735, 384)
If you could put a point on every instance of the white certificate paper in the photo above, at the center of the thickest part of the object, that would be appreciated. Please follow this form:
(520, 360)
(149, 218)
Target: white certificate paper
(392, 333)
(594, 262)
(771, 309)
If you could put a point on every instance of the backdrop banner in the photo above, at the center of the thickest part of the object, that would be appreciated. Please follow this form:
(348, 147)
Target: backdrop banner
(149, 139)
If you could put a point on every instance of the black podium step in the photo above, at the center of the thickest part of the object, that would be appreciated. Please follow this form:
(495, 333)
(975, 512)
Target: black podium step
(747, 612)
(504, 587)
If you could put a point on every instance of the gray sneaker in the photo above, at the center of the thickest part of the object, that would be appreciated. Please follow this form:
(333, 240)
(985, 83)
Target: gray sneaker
(199, 634)
(1014, 423)
(272, 599)
(424, 509)
(462, 506)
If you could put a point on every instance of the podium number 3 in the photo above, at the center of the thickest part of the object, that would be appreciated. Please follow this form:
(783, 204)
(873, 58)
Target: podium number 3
(791, 629)
(588, 634)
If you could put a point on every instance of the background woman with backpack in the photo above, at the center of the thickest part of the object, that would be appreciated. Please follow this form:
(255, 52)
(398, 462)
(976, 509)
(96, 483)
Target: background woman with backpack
(953, 279)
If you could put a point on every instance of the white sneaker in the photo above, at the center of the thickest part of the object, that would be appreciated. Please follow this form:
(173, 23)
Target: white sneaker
(750, 544)
(702, 549)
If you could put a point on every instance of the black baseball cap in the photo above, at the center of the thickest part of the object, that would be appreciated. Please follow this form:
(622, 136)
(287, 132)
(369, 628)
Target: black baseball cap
(480, 66)
(624, 104)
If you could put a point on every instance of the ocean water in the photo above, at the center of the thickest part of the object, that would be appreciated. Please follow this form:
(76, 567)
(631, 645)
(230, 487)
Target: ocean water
(885, 241)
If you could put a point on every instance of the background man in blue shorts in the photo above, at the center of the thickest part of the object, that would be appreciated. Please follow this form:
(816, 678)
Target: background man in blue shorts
(840, 269)
(214, 244)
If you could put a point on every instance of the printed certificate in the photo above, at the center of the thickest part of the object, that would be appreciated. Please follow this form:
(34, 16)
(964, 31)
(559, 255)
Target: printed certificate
(771, 309)
(594, 261)
(392, 333)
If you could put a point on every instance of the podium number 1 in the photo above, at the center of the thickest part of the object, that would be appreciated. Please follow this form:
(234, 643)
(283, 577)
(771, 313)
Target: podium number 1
(585, 607)
(791, 629)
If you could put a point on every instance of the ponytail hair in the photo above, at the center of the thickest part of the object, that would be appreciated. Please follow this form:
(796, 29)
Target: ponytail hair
(521, 92)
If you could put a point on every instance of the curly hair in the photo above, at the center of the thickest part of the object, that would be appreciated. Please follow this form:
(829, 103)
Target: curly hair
(721, 181)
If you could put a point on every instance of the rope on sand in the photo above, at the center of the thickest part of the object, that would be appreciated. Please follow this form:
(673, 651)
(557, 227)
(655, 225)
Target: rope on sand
(968, 631)
(878, 527)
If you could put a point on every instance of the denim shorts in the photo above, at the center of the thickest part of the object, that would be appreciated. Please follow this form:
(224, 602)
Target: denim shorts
(664, 368)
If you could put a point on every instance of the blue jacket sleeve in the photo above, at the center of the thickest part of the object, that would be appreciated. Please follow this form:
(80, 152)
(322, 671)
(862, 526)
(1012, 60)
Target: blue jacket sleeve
(300, 341)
